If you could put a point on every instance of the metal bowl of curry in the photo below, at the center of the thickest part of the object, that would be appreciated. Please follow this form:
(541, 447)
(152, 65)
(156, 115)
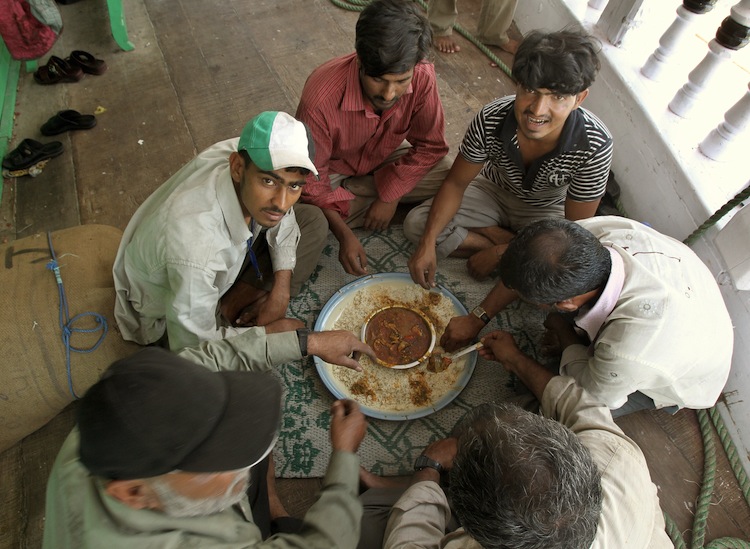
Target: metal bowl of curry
(400, 337)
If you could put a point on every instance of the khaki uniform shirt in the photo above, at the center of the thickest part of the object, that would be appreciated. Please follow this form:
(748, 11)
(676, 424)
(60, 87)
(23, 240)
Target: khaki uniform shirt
(631, 516)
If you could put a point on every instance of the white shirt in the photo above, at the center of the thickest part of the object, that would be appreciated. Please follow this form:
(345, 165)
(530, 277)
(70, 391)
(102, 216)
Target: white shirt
(184, 248)
(666, 334)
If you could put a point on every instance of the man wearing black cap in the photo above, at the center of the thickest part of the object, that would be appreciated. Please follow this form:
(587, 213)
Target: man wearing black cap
(223, 229)
(169, 454)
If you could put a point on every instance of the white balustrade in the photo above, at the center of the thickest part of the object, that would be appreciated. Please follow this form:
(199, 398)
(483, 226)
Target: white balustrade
(657, 64)
(724, 141)
(685, 99)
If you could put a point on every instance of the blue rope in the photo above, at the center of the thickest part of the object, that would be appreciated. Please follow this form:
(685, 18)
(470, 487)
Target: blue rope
(66, 323)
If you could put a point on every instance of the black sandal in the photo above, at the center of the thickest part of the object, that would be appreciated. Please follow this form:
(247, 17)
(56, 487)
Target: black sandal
(68, 120)
(30, 157)
(87, 62)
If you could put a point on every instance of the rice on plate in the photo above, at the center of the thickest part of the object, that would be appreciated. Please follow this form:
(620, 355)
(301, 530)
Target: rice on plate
(384, 392)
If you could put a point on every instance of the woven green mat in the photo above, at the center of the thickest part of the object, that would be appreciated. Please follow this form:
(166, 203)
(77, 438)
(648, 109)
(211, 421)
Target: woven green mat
(390, 447)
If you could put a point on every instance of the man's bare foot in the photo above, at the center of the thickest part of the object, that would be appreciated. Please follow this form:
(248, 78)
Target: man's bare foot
(369, 480)
(446, 44)
(510, 46)
(238, 298)
(249, 315)
(483, 263)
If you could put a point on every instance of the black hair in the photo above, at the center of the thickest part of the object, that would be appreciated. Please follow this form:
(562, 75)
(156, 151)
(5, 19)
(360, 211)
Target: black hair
(565, 61)
(392, 36)
(554, 259)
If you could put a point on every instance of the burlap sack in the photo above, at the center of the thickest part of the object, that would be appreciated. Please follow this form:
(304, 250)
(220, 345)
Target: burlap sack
(33, 379)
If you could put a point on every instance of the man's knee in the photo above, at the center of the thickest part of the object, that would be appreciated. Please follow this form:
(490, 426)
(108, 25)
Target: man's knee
(415, 221)
(312, 223)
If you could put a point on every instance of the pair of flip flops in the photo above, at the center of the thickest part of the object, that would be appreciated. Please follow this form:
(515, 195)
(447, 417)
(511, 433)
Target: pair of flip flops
(30, 157)
(70, 69)
(68, 120)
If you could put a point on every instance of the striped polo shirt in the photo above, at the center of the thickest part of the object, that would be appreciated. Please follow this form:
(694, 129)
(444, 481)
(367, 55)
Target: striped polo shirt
(578, 167)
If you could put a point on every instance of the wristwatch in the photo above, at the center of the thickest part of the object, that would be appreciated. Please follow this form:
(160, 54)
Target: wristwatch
(481, 314)
(302, 334)
(423, 461)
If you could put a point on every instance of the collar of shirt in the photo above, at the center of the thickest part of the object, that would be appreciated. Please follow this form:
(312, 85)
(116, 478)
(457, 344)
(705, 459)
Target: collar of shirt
(591, 321)
(354, 97)
(573, 137)
(230, 207)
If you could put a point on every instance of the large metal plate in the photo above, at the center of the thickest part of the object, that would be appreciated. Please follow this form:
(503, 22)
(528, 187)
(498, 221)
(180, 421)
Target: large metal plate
(330, 314)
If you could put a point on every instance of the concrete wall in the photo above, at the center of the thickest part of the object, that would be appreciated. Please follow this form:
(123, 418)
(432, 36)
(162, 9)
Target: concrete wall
(664, 182)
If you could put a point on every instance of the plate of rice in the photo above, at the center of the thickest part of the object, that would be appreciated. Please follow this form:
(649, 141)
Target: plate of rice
(393, 393)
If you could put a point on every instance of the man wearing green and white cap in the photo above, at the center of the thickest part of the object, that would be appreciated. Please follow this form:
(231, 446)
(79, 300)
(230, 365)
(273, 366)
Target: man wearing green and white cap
(196, 245)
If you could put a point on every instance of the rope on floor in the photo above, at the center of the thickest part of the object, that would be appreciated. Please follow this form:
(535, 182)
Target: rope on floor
(705, 417)
(67, 324)
(359, 5)
(709, 478)
(731, 451)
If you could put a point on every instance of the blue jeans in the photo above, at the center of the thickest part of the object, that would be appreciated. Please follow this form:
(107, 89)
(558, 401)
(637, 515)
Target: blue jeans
(638, 401)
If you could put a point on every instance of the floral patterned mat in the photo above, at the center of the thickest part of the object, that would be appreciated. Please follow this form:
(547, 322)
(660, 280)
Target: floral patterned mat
(390, 447)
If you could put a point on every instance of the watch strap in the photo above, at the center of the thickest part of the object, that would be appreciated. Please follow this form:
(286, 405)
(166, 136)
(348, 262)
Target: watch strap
(481, 314)
(302, 334)
(423, 462)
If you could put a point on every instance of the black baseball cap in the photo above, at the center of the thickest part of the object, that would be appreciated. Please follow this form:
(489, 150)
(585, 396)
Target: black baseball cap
(155, 412)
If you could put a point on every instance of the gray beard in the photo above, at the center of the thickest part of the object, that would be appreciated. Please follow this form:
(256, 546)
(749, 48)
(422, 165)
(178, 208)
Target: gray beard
(175, 504)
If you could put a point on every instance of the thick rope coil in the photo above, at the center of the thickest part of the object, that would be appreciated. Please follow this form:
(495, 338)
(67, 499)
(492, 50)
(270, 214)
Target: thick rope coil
(728, 543)
(709, 477)
(721, 212)
(731, 451)
(674, 532)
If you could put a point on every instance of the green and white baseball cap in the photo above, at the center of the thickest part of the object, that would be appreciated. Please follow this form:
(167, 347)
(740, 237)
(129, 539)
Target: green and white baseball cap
(276, 140)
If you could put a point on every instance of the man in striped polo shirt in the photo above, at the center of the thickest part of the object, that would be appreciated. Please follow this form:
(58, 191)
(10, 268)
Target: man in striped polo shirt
(526, 157)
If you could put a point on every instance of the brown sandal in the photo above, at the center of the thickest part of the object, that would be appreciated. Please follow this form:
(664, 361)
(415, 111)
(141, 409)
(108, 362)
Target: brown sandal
(56, 71)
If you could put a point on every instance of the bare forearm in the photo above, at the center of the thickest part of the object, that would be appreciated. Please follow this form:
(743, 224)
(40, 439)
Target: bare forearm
(498, 298)
(338, 226)
(443, 209)
(281, 283)
(532, 374)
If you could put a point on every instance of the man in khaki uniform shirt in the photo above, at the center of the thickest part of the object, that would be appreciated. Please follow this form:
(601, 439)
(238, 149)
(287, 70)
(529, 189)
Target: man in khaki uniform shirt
(591, 482)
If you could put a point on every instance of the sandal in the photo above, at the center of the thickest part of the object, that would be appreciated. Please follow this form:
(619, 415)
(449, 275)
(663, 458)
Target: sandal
(87, 62)
(68, 120)
(57, 70)
(30, 154)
